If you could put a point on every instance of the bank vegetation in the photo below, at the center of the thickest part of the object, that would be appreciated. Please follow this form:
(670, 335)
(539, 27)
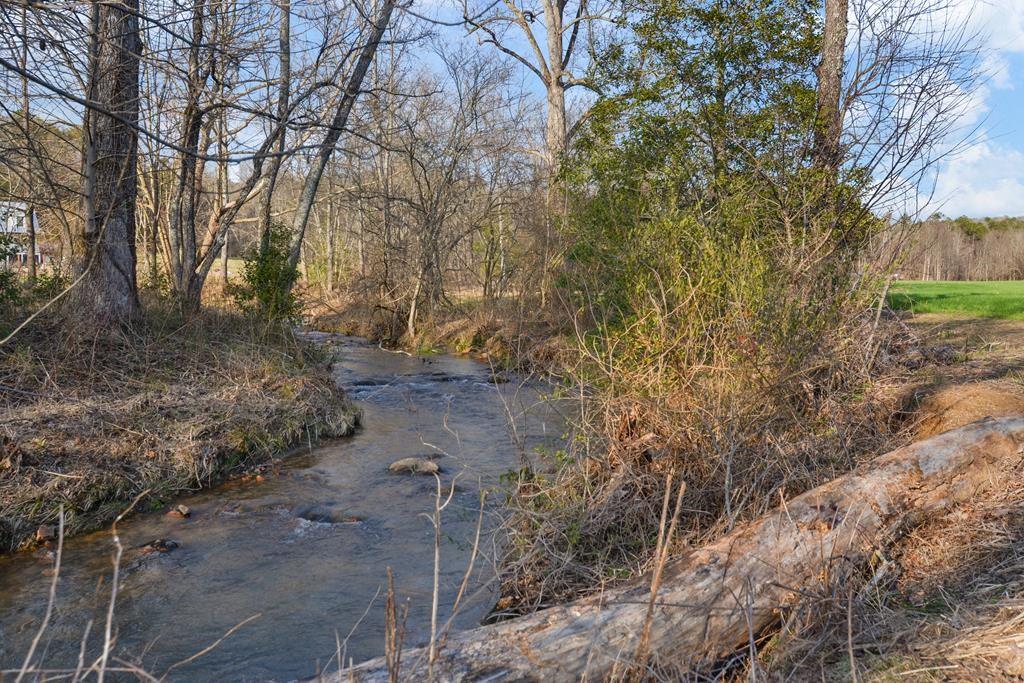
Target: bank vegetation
(685, 213)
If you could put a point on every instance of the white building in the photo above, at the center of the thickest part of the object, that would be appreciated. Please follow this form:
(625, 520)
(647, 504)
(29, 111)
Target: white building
(14, 218)
(14, 222)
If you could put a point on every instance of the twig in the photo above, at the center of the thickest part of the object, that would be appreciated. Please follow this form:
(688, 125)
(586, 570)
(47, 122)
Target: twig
(212, 646)
(661, 556)
(108, 627)
(49, 603)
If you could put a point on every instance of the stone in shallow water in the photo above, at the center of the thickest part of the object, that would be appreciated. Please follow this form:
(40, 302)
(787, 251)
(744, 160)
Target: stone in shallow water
(325, 515)
(414, 466)
(180, 511)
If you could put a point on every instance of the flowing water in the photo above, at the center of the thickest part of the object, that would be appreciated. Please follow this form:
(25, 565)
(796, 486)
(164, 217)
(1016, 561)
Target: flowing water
(307, 548)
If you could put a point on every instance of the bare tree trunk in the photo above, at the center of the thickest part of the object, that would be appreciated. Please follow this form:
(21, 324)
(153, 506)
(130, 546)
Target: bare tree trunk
(829, 123)
(712, 600)
(332, 218)
(30, 230)
(30, 223)
(326, 148)
(110, 148)
(410, 323)
(283, 94)
(183, 205)
(223, 182)
(555, 138)
(224, 258)
(154, 233)
(555, 135)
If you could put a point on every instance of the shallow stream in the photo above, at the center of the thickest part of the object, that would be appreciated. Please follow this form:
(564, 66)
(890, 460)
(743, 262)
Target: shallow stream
(307, 547)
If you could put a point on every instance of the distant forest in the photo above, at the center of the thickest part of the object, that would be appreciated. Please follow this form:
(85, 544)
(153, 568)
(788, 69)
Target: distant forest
(965, 248)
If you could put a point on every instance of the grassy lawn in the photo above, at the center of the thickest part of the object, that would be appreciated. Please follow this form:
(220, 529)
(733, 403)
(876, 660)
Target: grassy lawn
(989, 299)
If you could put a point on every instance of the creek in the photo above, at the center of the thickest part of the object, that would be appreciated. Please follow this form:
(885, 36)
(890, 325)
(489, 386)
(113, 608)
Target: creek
(307, 548)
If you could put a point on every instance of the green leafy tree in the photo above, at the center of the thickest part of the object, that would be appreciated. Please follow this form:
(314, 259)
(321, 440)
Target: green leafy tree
(704, 136)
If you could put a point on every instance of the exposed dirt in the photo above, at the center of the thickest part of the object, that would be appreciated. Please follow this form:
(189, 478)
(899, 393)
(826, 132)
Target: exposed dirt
(959, 580)
(506, 333)
(945, 602)
(959, 404)
(985, 377)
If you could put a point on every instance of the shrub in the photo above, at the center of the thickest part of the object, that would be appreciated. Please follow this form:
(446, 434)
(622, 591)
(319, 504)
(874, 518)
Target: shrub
(268, 279)
(10, 292)
(712, 272)
(47, 285)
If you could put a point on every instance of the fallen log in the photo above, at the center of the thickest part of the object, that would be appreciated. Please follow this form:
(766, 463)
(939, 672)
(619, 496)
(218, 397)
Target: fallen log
(713, 599)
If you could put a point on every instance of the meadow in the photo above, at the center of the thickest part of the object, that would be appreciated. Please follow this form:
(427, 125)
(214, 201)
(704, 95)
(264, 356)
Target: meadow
(1002, 299)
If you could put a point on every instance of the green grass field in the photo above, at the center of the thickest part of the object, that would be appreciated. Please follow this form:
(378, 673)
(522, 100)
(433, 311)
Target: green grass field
(990, 299)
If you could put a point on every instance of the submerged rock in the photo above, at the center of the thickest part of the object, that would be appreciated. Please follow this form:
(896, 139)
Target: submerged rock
(47, 532)
(159, 545)
(325, 515)
(414, 466)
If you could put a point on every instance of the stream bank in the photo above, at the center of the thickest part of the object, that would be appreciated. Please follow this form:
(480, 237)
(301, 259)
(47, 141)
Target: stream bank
(93, 419)
(303, 554)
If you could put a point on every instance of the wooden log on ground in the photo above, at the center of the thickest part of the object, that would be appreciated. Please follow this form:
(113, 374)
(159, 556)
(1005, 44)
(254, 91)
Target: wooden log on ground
(713, 599)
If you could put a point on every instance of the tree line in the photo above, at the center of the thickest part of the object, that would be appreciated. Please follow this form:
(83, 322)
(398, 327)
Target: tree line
(416, 160)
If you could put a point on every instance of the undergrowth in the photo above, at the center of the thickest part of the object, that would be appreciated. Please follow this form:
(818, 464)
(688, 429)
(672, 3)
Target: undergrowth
(93, 417)
(726, 333)
(737, 377)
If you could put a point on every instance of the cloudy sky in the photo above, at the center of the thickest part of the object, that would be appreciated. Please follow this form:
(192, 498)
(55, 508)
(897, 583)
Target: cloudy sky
(987, 178)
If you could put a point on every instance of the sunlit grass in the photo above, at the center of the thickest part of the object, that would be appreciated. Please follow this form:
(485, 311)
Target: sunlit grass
(1003, 299)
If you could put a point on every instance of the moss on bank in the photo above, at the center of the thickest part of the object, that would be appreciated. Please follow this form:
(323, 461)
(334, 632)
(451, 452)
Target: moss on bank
(92, 418)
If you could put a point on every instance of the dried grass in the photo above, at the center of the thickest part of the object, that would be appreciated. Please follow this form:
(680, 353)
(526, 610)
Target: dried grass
(740, 410)
(92, 417)
(943, 603)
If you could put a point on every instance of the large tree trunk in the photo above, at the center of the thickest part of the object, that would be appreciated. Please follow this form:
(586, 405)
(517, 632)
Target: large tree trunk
(110, 148)
(555, 136)
(555, 131)
(829, 123)
(713, 600)
(326, 149)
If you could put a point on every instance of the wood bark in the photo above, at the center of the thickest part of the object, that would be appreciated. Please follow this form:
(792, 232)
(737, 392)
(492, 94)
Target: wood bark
(30, 222)
(110, 149)
(340, 120)
(284, 54)
(714, 599)
(829, 124)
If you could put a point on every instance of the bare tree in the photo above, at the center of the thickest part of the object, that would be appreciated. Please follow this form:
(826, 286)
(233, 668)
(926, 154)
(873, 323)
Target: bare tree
(109, 157)
(283, 93)
(26, 109)
(911, 70)
(549, 54)
(337, 127)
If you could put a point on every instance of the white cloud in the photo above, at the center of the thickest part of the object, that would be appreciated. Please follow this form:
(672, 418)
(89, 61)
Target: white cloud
(997, 66)
(987, 179)
(1001, 21)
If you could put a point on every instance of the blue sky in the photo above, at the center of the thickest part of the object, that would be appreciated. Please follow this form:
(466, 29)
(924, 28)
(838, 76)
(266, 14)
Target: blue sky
(987, 177)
